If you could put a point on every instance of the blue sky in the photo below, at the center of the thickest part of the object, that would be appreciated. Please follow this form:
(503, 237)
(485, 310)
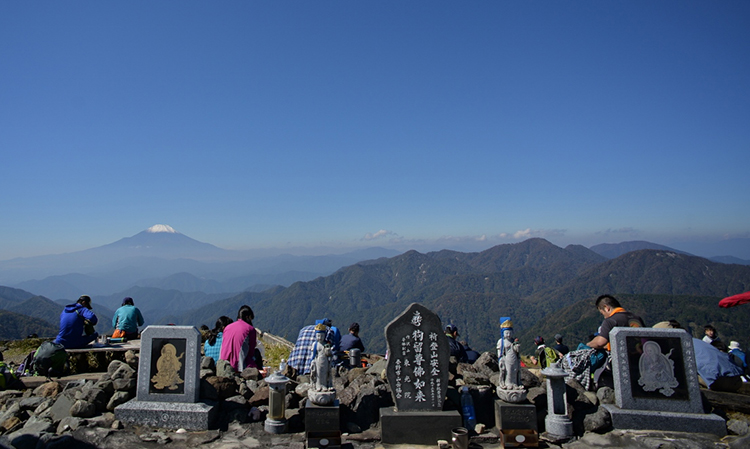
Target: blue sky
(250, 124)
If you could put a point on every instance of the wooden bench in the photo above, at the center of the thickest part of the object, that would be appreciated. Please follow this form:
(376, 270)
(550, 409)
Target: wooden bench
(96, 358)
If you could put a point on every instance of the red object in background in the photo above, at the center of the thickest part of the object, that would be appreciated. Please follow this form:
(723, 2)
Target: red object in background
(735, 300)
(523, 365)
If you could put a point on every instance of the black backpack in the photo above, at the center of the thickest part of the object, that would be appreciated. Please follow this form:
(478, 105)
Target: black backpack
(50, 359)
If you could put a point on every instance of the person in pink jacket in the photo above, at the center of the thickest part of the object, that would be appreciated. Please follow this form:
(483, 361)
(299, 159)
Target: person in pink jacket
(239, 340)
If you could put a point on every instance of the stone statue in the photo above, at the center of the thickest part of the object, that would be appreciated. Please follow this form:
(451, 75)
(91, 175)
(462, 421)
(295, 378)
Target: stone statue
(321, 391)
(657, 370)
(510, 388)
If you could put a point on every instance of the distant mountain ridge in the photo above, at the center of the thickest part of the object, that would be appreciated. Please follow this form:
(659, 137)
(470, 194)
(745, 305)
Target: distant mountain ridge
(614, 250)
(530, 281)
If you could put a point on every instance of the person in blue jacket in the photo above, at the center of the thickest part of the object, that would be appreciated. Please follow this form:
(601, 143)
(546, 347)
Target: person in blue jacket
(73, 319)
(127, 319)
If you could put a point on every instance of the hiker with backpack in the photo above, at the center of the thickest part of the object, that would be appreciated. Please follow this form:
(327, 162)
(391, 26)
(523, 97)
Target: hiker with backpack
(77, 324)
(544, 354)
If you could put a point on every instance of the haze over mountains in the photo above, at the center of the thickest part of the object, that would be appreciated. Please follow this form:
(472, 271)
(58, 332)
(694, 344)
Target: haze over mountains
(543, 287)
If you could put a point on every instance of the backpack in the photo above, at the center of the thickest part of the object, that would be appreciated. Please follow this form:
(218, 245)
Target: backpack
(24, 369)
(550, 357)
(49, 360)
(6, 376)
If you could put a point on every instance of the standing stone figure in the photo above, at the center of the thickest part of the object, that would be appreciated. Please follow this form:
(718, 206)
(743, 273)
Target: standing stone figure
(510, 388)
(321, 392)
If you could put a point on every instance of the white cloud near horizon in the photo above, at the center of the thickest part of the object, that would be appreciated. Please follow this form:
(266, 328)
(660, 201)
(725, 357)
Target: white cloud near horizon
(378, 235)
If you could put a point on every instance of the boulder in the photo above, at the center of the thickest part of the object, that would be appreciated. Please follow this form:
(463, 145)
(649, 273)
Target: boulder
(44, 406)
(737, 427)
(224, 369)
(95, 396)
(250, 374)
(125, 384)
(82, 409)
(118, 398)
(487, 364)
(606, 395)
(599, 421)
(131, 358)
(69, 424)
(9, 424)
(208, 363)
(260, 397)
(48, 389)
(301, 389)
(106, 385)
(355, 373)
(473, 378)
(529, 379)
(31, 403)
(215, 388)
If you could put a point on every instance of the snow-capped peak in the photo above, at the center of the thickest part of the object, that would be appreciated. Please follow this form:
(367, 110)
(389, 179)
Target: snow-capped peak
(161, 228)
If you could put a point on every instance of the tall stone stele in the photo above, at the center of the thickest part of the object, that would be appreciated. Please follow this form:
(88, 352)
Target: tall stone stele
(417, 372)
(510, 387)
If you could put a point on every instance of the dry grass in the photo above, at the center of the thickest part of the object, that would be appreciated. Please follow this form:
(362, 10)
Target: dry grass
(274, 353)
(15, 350)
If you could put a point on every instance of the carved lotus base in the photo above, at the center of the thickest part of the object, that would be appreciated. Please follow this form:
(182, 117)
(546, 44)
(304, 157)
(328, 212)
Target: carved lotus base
(514, 396)
(321, 397)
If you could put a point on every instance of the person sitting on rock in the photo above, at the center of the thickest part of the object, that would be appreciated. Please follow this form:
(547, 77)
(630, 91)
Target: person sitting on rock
(457, 351)
(352, 340)
(559, 346)
(239, 341)
(212, 345)
(302, 353)
(77, 324)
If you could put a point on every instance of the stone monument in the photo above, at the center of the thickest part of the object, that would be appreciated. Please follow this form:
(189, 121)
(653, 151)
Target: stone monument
(168, 388)
(510, 388)
(515, 418)
(322, 411)
(321, 391)
(656, 382)
(417, 371)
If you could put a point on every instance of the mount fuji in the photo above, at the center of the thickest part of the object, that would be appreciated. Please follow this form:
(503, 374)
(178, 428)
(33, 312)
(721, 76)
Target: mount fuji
(162, 257)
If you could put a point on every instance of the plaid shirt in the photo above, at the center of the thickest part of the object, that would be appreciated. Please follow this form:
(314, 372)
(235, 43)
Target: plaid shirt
(302, 354)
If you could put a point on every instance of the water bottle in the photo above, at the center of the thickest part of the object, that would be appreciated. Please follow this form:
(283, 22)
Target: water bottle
(467, 409)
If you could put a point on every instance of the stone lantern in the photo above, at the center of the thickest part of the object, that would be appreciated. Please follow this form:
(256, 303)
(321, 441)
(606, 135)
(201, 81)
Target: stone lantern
(276, 419)
(559, 426)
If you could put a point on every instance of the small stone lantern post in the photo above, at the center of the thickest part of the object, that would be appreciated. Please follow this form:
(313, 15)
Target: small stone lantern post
(276, 419)
(559, 426)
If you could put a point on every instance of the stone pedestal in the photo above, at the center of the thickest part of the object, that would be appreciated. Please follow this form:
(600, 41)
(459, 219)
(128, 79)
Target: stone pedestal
(417, 427)
(517, 423)
(323, 425)
(168, 415)
(667, 421)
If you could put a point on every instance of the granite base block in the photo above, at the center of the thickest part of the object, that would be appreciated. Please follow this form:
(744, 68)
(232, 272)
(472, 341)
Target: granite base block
(168, 415)
(322, 418)
(417, 427)
(666, 421)
(510, 416)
